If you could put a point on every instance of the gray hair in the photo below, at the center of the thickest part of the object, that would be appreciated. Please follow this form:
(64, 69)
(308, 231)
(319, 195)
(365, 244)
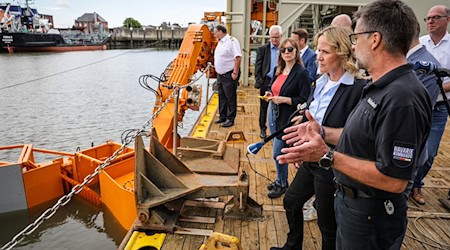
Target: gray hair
(393, 19)
(275, 28)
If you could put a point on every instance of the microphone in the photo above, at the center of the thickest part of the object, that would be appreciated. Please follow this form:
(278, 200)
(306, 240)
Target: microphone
(428, 68)
(255, 147)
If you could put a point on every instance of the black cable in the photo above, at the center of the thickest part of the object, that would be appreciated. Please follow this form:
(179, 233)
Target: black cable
(254, 170)
(62, 72)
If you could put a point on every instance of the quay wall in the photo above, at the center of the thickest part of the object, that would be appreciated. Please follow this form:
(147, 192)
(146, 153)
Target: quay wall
(170, 37)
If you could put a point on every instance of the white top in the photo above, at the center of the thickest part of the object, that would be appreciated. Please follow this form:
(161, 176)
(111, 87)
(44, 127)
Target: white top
(441, 52)
(226, 51)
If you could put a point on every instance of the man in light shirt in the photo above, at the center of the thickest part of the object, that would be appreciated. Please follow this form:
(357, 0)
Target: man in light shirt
(227, 60)
(437, 42)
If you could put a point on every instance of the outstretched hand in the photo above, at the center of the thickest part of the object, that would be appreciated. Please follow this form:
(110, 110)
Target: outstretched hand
(297, 134)
(307, 142)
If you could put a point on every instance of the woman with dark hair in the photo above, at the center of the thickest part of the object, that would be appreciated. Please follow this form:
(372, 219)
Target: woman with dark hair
(289, 87)
(334, 96)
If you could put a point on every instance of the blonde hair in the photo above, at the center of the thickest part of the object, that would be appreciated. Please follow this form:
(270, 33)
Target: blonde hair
(281, 62)
(338, 37)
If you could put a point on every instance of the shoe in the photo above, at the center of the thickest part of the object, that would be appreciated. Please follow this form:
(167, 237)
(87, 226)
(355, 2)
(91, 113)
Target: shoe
(271, 185)
(227, 124)
(263, 134)
(417, 196)
(277, 248)
(219, 121)
(277, 191)
(309, 214)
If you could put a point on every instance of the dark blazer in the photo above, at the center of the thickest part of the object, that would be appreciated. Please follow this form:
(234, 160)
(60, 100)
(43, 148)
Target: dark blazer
(262, 64)
(298, 87)
(340, 107)
(429, 81)
(309, 60)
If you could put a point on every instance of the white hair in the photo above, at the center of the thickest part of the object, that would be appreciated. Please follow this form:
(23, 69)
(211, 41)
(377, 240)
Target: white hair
(275, 28)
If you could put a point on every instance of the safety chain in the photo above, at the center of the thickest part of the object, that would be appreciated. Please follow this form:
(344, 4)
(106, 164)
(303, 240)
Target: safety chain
(88, 179)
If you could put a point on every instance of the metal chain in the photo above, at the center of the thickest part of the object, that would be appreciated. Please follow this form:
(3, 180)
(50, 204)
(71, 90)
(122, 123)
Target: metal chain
(88, 179)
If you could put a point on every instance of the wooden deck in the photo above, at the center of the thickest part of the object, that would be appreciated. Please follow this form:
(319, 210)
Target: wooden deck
(428, 225)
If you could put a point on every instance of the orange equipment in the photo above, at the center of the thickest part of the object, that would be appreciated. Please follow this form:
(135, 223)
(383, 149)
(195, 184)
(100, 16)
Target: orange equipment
(195, 52)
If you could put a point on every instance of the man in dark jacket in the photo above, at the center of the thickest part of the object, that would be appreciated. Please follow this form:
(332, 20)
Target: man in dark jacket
(266, 61)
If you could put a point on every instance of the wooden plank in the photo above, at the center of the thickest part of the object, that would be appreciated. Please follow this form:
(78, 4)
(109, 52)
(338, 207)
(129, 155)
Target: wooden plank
(208, 204)
(415, 214)
(198, 219)
(275, 208)
(193, 231)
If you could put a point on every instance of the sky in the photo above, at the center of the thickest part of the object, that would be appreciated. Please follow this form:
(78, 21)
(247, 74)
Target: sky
(147, 12)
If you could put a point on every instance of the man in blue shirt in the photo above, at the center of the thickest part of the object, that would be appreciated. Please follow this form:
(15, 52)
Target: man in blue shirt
(266, 61)
(307, 54)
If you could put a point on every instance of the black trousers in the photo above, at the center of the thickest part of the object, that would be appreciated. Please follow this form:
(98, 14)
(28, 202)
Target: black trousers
(308, 181)
(363, 223)
(263, 105)
(227, 87)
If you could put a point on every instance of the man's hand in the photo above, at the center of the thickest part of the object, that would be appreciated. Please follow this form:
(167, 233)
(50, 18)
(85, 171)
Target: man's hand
(234, 76)
(307, 141)
(297, 134)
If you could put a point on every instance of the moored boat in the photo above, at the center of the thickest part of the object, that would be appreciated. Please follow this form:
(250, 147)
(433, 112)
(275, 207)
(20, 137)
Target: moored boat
(23, 29)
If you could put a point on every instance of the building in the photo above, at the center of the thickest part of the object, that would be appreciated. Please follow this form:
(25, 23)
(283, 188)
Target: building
(91, 22)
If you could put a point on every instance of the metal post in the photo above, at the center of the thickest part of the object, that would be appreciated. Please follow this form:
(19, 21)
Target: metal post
(175, 122)
(131, 34)
(171, 42)
(207, 87)
(144, 35)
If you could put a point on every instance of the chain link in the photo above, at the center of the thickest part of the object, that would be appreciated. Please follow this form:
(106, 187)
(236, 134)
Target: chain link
(88, 179)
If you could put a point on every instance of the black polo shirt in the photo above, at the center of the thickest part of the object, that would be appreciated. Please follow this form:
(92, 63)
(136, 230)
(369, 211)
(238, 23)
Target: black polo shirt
(389, 126)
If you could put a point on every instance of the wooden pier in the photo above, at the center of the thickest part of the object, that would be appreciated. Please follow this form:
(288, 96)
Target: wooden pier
(428, 225)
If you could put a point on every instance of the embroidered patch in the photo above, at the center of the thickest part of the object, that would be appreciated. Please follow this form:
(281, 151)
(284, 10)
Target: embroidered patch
(403, 154)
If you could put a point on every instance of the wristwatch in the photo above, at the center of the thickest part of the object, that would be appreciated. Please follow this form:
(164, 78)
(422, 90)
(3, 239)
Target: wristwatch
(326, 162)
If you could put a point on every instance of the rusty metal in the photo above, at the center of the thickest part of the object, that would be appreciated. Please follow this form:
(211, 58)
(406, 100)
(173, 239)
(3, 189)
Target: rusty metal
(161, 177)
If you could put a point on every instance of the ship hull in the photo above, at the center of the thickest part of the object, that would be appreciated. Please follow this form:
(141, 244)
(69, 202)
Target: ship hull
(35, 42)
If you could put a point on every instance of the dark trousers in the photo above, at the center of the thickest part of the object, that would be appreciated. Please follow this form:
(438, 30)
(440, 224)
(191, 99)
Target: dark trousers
(364, 224)
(227, 87)
(263, 105)
(308, 181)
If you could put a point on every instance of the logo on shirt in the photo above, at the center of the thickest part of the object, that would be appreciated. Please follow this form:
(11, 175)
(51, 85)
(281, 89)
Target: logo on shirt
(403, 154)
(372, 103)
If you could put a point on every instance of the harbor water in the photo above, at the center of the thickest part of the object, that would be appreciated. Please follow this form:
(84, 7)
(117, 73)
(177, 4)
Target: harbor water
(62, 101)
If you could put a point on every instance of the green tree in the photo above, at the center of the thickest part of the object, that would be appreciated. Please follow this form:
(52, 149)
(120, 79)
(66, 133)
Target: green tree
(131, 22)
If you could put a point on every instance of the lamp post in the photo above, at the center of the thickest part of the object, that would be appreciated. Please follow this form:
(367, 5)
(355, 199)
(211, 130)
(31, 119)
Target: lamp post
(131, 34)
(144, 35)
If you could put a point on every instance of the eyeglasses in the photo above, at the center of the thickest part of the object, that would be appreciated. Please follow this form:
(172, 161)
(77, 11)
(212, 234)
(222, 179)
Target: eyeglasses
(435, 18)
(275, 37)
(354, 36)
(289, 50)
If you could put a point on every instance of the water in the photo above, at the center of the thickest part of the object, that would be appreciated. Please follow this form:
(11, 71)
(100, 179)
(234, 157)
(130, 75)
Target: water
(61, 101)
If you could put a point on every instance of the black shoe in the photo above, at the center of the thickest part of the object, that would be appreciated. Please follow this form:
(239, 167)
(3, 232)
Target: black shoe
(227, 124)
(271, 185)
(263, 134)
(219, 121)
(277, 248)
(277, 191)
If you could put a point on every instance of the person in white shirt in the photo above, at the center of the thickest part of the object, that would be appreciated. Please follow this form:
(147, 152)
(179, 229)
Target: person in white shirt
(437, 42)
(227, 60)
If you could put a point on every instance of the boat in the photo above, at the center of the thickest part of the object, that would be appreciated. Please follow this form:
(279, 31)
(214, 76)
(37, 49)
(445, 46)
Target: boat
(24, 29)
(159, 193)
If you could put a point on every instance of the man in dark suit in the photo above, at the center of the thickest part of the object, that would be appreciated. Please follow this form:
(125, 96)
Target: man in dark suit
(416, 53)
(266, 61)
(308, 55)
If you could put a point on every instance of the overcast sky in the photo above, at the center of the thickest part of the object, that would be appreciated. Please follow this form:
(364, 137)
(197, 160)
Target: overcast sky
(147, 12)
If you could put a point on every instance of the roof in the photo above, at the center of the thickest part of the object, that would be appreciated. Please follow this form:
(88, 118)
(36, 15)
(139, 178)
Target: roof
(90, 17)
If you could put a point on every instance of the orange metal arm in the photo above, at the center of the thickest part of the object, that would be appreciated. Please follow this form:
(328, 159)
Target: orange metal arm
(195, 52)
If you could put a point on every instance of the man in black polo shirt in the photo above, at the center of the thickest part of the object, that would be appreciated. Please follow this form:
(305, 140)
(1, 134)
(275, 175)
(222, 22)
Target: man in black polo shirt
(383, 137)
